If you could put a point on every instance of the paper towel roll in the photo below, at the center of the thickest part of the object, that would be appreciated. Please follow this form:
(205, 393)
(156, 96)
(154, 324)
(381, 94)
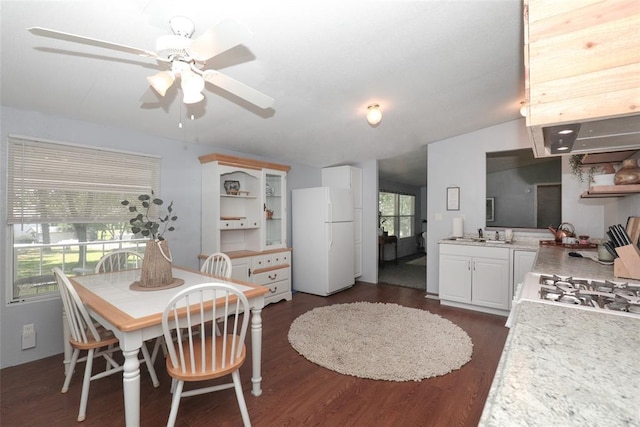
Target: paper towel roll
(457, 227)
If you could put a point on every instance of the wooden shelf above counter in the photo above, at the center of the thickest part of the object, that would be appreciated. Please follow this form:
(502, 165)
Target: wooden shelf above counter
(611, 191)
(609, 157)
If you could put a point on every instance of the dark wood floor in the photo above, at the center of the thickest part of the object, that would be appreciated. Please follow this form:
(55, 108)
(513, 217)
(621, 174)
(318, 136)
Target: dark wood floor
(296, 392)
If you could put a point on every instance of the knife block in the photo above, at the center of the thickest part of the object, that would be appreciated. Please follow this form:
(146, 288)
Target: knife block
(627, 265)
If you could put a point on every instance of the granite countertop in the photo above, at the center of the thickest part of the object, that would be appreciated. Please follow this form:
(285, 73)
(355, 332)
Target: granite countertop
(556, 260)
(569, 367)
(530, 245)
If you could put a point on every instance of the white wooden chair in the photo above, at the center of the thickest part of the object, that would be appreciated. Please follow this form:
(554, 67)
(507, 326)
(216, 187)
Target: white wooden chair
(92, 337)
(120, 259)
(218, 264)
(202, 354)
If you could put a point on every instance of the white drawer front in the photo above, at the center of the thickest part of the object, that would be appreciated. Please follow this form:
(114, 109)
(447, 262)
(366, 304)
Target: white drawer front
(277, 258)
(236, 224)
(271, 276)
(258, 262)
(277, 288)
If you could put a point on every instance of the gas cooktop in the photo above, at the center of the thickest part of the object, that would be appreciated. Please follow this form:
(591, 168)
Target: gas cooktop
(617, 297)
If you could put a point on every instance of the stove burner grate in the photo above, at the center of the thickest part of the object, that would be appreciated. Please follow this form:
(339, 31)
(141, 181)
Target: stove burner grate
(590, 293)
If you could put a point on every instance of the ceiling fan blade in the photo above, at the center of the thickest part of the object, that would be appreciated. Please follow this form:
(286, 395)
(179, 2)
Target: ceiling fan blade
(44, 32)
(221, 37)
(239, 89)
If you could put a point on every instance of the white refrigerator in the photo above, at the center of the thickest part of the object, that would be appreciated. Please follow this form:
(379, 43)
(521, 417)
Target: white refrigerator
(322, 236)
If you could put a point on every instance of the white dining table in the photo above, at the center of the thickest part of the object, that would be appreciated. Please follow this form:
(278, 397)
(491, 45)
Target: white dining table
(135, 317)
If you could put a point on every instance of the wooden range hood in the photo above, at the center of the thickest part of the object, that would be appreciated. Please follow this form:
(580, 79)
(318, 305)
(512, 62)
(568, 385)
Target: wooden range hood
(582, 65)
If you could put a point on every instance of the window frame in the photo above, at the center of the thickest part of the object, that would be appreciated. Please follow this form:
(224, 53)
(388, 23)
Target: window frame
(104, 189)
(397, 216)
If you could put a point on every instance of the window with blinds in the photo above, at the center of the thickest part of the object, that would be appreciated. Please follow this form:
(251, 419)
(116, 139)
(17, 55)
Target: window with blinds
(64, 209)
(52, 182)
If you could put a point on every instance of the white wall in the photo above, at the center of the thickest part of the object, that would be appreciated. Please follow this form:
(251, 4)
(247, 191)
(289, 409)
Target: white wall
(180, 182)
(460, 161)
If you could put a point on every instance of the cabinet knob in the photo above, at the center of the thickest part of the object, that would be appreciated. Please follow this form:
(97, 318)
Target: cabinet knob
(273, 277)
(274, 290)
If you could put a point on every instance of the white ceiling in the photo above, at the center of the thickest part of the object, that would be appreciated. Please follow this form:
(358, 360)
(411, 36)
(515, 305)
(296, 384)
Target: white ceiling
(437, 68)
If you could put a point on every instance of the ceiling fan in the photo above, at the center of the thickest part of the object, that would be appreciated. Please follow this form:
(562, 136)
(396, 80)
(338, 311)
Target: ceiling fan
(185, 58)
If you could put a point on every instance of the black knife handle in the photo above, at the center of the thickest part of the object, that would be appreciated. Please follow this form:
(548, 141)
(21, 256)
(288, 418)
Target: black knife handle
(625, 236)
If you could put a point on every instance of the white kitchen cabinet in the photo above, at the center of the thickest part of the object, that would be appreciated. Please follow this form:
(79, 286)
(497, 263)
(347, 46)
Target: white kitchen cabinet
(455, 278)
(475, 277)
(522, 264)
(349, 177)
(240, 268)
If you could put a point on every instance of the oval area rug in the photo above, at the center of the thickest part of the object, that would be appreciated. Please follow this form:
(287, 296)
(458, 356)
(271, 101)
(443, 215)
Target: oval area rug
(380, 341)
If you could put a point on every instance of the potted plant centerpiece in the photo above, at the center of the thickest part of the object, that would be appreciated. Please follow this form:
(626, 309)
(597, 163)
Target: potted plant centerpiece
(156, 265)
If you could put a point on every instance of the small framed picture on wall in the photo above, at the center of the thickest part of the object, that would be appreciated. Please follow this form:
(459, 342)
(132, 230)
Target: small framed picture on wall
(453, 198)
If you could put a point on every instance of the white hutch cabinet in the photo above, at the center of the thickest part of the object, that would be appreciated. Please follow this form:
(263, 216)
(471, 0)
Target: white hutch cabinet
(244, 210)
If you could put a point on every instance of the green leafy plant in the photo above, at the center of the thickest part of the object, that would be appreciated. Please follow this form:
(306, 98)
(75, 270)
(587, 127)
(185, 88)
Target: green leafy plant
(578, 169)
(144, 225)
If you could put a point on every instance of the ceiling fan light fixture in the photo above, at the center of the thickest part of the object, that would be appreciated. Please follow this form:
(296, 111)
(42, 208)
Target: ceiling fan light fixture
(161, 81)
(374, 114)
(192, 86)
(192, 98)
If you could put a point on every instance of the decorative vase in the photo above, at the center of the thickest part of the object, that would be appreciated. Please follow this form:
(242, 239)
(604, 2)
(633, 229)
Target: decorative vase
(156, 266)
(232, 187)
(628, 174)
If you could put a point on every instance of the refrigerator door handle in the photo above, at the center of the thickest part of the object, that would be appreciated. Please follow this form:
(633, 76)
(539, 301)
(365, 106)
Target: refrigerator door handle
(330, 238)
(329, 210)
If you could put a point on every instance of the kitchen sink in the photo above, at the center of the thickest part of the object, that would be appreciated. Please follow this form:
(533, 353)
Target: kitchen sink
(477, 240)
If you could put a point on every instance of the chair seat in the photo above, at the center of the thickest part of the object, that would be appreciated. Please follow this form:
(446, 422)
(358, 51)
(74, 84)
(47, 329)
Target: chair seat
(218, 371)
(106, 338)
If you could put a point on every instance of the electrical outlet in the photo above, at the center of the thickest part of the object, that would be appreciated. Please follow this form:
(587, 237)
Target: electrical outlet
(28, 336)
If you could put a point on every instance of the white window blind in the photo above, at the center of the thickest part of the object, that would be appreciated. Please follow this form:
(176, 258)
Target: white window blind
(50, 182)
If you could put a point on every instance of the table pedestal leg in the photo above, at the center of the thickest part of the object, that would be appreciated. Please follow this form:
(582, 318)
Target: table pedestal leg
(131, 387)
(256, 351)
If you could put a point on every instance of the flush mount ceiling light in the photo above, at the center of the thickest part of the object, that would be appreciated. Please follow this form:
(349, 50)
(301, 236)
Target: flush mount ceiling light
(524, 109)
(374, 114)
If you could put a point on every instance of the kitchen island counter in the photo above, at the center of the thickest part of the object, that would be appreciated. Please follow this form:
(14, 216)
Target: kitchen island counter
(566, 366)
(556, 260)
